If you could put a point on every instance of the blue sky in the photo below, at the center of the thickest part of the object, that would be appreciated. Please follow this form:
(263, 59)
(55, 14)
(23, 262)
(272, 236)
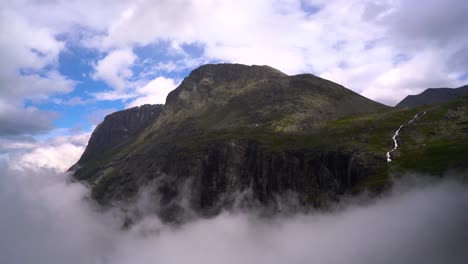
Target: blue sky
(67, 64)
(79, 108)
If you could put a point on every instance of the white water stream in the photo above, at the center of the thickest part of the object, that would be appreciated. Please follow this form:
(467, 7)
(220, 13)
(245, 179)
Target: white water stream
(398, 132)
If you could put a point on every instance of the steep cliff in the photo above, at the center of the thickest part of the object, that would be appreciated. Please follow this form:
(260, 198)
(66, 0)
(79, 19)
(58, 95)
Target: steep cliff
(236, 135)
(117, 130)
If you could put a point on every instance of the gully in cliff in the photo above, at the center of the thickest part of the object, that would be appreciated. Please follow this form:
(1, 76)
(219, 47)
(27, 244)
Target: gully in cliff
(397, 132)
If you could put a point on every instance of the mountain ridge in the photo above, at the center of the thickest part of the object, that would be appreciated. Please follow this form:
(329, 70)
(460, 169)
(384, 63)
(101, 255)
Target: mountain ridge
(257, 129)
(433, 96)
(118, 127)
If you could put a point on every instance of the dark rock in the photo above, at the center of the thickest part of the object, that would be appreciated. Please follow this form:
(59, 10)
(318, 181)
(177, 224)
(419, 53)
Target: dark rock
(433, 96)
(119, 127)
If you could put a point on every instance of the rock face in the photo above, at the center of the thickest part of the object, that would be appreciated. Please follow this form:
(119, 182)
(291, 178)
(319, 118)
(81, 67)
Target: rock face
(433, 96)
(118, 128)
(229, 168)
(226, 174)
(232, 129)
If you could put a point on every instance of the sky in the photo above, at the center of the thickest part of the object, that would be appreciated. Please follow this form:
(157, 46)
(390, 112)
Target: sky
(67, 64)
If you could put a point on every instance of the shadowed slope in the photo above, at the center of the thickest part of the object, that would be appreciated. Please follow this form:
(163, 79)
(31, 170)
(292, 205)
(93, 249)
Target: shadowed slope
(433, 96)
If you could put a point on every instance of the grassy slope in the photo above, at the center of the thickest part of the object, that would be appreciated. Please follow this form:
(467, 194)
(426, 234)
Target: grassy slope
(435, 143)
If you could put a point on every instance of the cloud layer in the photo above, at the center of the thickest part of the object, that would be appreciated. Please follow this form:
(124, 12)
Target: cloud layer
(48, 219)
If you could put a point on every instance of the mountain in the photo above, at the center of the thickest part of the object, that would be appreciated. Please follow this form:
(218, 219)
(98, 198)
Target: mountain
(240, 136)
(433, 96)
(118, 128)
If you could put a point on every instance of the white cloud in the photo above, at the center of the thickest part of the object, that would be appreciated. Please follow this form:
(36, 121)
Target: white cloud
(55, 157)
(26, 45)
(414, 76)
(331, 42)
(154, 92)
(29, 48)
(58, 153)
(113, 95)
(29, 55)
(115, 70)
(12, 144)
(49, 220)
(75, 100)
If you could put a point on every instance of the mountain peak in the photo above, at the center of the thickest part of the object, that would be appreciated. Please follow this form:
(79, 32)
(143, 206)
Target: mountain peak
(210, 80)
(119, 127)
(234, 72)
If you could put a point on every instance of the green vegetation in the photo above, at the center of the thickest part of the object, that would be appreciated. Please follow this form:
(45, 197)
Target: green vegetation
(436, 143)
(281, 115)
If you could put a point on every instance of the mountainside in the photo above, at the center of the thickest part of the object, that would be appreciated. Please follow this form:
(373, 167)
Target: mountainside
(433, 96)
(118, 128)
(238, 136)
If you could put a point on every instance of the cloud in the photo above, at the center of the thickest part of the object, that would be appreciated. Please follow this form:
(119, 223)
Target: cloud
(154, 92)
(24, 121)
(27, 71)
(53, 154)
(51, 220)
(411, 77)
(115, 70)
(113, 95)
(285, 35)
(47, 220)
(26, 49)
(382, 49)
(438, 24)
(54, 157)
(16, 143)
(75, 100)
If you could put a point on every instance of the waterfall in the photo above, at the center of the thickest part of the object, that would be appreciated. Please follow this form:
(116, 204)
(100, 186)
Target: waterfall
(397, 132)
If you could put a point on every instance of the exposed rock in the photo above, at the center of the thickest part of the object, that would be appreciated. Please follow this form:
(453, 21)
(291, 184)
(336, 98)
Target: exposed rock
(223, 169)
(233, 167)
(118, 128)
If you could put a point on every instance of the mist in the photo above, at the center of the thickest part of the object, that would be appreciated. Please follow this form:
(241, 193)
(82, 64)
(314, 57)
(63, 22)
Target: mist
(47, 219)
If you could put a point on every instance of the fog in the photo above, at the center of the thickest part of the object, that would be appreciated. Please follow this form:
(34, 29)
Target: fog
(46, 219)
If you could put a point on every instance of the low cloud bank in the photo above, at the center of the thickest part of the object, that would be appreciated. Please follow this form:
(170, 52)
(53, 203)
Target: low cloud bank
(46, 219)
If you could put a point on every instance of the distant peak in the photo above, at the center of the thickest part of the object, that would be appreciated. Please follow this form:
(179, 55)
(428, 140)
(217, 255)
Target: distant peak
(231, 71)
(433, 96)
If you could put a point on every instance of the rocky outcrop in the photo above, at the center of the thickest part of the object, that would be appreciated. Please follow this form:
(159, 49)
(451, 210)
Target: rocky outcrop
(118, 128)
(234, 173)
(315, 177)
(433, 96)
